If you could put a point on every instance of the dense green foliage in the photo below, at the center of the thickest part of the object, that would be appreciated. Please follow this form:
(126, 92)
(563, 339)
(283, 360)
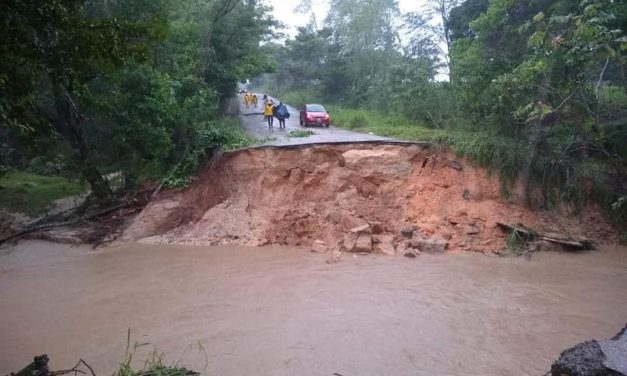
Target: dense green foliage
(536, 88)
(139, 87)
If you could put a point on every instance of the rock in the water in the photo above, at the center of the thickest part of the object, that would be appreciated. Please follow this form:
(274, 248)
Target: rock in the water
(350, 239)
(615, 351)
(334, 257)
(383, 244)
(401, 247)
(408, 232)
(432, 245)
(594, 358)
(585, 359)
(363, 229)
(364, 243)
(411, 253)
(318, 246)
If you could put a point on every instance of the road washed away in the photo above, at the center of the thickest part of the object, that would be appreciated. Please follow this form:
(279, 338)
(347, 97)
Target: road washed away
(355, 197)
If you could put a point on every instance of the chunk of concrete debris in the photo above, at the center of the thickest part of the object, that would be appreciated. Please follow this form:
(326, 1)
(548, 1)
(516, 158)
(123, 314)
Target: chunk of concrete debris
(334, 257)
(408, 232)
(591, 358)
(415, 242)
(350, 239)
(364, 243)
(363, 229)
(431, 245)
(383, 244)
(318, 246)
(401, 247)
(411, 253)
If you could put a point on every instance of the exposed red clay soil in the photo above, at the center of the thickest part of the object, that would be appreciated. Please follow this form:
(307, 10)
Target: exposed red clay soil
(298, 195)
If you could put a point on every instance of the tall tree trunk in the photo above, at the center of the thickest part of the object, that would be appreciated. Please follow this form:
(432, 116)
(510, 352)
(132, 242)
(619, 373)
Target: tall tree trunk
(445, 8)
(69, 125)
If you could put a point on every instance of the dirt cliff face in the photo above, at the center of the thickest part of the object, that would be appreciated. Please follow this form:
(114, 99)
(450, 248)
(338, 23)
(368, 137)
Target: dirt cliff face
(295, 196)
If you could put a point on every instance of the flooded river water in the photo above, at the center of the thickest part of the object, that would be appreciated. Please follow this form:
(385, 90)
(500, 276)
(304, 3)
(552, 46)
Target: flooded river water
(281, 311)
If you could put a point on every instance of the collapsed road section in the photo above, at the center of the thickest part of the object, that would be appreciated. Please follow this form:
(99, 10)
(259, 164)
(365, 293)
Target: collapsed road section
(380, 197)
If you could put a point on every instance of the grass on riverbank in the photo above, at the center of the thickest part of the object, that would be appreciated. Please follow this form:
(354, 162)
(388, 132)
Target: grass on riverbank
(32, 194)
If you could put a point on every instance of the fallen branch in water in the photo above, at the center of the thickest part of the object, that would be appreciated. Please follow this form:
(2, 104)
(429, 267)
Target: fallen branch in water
(75, 369)
(69, 223)
(39, 367)
(561, 239)
(97, 224)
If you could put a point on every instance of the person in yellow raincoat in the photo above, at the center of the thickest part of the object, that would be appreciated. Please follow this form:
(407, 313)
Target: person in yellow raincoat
(268, 113)
(255, 100)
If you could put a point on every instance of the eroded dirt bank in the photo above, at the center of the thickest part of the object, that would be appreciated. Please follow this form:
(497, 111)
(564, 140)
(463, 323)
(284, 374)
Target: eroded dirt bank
(300, 195)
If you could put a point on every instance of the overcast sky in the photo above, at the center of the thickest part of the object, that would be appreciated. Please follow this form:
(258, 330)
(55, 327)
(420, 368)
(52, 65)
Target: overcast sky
(284, 12)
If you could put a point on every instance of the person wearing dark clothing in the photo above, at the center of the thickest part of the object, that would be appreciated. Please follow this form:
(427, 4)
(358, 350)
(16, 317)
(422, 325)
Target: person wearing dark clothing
(281, 112)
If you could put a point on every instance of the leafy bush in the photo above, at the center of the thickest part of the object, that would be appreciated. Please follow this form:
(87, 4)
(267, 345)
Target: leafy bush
(223, 134)
(301, 133)
(41, 165)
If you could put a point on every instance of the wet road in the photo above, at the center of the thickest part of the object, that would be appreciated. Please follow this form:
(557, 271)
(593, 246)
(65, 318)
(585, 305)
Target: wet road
(284, 311)
(255, 125)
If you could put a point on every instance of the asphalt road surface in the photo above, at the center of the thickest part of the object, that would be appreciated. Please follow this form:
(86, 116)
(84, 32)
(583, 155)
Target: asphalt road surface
(256, 126)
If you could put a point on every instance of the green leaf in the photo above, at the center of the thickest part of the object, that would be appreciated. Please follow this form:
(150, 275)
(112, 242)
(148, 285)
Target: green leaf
(537, 38)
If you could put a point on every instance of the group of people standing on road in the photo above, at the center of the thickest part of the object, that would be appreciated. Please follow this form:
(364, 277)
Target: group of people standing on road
(250, 99)
(270, 111)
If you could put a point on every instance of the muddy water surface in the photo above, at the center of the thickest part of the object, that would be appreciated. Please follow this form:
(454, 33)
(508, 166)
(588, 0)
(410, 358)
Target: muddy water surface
(280, 311)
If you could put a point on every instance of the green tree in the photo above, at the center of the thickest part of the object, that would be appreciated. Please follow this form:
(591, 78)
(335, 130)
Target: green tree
(65, 48)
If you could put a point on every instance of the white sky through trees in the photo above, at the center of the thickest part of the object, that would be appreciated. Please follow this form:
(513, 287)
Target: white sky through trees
(284, 12)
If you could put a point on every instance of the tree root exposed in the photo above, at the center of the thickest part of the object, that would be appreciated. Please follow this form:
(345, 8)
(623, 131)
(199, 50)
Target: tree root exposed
(39, 367)
(95, 223)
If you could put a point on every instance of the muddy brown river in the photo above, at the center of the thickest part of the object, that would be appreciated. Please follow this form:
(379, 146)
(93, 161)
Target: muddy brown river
(281, 311)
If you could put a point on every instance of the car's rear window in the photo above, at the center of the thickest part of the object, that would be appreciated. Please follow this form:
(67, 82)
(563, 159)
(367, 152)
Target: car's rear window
(315, 108)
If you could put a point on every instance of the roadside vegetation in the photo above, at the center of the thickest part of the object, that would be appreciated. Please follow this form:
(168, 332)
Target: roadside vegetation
(534, 90)
(139, 89)
(301, 133)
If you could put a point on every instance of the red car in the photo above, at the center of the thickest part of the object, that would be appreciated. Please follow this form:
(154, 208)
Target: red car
(314, 114)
